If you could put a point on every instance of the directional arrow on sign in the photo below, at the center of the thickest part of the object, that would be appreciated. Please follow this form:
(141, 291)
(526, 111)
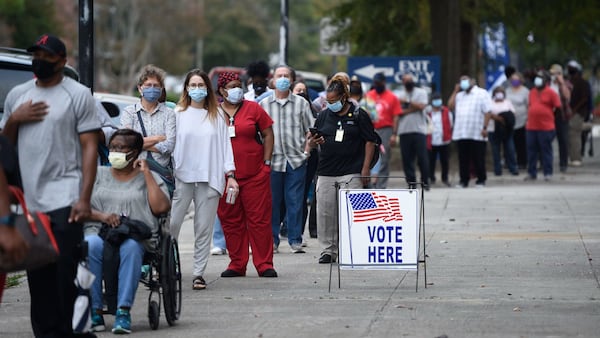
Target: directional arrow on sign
(370, 70)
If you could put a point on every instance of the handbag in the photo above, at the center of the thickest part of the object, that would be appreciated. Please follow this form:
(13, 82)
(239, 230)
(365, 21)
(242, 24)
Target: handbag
(37, 232)
(165, 173)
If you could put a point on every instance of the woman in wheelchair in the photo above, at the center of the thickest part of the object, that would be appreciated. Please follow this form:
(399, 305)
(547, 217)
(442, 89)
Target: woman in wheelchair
(127, 188)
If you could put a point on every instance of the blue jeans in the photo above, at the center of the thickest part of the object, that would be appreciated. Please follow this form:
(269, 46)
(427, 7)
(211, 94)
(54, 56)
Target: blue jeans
(288, 187)
(131, 254)
(539, 145)
(218, 236)
(500, 141)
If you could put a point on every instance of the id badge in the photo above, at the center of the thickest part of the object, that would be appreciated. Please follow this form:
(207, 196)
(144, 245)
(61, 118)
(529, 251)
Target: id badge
(231, 131)
(339, 135)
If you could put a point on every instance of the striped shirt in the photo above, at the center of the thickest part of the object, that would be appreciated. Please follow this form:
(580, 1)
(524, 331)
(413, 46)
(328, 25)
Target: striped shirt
(159, 122)
(291, 120)
(470, 110)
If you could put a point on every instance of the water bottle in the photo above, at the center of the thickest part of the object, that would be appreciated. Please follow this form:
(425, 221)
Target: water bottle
(231, 195)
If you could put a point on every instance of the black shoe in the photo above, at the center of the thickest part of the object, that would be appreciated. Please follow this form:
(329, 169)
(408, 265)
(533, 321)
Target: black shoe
(231, 273)
(326, 259)
(313, 235)
(270, 273)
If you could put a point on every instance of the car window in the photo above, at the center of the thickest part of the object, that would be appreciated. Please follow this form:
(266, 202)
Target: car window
(11, 76)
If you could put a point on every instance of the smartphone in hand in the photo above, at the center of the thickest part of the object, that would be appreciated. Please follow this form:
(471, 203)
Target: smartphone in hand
(315, 132)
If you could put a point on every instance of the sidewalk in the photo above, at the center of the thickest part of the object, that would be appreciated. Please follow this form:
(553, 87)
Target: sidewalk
(514, 259)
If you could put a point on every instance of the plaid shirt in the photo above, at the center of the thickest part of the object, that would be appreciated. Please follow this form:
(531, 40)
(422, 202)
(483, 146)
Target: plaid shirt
(291, 120)
(469, 112)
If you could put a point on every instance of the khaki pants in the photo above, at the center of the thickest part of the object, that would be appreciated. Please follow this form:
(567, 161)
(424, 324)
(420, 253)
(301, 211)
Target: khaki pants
(575, 128)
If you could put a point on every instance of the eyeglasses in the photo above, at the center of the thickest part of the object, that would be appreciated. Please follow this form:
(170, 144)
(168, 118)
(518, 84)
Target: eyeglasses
(151, 85)
(196, 85)
(119, 148)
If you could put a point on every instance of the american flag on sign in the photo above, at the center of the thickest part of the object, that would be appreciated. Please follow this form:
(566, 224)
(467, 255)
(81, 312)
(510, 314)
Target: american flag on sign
(369, 206)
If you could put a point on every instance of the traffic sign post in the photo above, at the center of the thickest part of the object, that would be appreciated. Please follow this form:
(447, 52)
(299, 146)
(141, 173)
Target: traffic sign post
(426, 70)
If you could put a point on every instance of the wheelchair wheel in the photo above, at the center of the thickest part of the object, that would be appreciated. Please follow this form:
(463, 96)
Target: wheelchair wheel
(171, 280)
(153, 314)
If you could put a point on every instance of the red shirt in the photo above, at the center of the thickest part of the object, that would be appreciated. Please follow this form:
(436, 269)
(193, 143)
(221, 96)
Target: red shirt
(387, 105)
(540, 115)
(248, 154)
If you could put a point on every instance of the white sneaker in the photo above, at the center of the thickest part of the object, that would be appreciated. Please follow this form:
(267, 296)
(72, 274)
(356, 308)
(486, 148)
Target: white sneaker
(576, 164)
(218, 251)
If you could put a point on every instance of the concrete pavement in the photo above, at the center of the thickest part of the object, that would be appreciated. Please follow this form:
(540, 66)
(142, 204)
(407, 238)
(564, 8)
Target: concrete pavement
(513, 259)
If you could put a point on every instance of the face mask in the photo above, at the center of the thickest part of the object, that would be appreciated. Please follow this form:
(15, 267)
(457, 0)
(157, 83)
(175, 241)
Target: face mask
(259, 89)
(198, 94)
(118, 160)
(336, 106)
(43, 69)
(409, 86)
(515, 83)
(465, 84)
(436, 102)
(282, 84)
(234, 95)
(572, 71)
(538, 82)
(379, 88)
(499, 96)
(151, 94)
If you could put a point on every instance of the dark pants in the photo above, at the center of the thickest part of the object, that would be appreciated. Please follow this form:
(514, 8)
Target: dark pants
(539, 145)
(443, 152)
(500, 141)
(520, 147)
(562, 136)
(51, 287)
(471, 152)
(414, 145)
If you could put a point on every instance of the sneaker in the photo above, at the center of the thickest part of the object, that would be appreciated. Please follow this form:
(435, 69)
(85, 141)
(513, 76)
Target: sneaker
(97, 322)
(480, 185)
(122, 322)
(297, 248)
(231, 273)
(460, 186)
(326, 259)
(216, 251)
(548, 178)
(275, 248)
(269, 273)
(576, 164)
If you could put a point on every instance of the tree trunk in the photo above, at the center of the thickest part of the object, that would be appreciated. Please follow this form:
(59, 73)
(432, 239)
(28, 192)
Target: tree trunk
(447, 42)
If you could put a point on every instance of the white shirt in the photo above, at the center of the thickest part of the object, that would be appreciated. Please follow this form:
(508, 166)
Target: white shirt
(203, 151)
(497, 108)
(470, 110)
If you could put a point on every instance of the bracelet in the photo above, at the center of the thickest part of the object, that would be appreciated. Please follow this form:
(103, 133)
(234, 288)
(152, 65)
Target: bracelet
(8, 220)
(306, 153)
(268, 163)
(231, 175)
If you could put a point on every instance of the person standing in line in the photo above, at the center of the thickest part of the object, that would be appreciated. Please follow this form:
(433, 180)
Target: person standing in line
(203, 163)
(292, 118)
(544, 103)
(388, 110)
(500, 132)
(412, 130)
(518, 95)
(52, 120)
(580, 104)
(561, 121)
(259, 73)
(347, 140)
(247, 221)
(438, 142)
(471, 106)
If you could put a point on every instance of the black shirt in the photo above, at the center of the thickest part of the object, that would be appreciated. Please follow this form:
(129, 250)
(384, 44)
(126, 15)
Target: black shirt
(345, 157)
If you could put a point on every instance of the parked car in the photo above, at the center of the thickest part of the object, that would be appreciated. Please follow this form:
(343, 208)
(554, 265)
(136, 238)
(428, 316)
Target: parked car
(115, 103)
(15, 68)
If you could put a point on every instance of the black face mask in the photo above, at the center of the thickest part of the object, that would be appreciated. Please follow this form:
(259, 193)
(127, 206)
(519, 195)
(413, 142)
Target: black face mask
(409, 85)
(43, 69)
(379, 89)
(572, 71)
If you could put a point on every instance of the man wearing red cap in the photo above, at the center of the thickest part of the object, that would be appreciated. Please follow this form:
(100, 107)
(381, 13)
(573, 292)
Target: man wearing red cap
(52, 120)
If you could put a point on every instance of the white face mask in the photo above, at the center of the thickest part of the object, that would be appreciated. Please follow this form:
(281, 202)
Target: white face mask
(118, 160)
(538, 82)
(499, 96)
(235, 95)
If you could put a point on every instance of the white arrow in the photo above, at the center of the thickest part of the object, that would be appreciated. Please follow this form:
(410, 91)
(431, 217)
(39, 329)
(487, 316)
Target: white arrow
(370, 71)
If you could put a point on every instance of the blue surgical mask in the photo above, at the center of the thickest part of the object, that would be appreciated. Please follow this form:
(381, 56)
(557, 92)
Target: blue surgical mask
(282, 84)
(336, 106)
(198, 94)
(465, 84)
(151, 94)
(235, 95)
(436, 102)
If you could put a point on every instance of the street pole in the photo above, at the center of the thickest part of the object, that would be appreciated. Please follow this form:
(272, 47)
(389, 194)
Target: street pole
(283, 33)
(86, 43)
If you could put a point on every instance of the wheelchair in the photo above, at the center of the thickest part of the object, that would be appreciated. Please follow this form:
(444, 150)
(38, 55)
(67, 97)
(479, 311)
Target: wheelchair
(163, 278)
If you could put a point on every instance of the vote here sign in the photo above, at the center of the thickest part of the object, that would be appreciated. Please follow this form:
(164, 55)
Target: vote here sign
(379, 229)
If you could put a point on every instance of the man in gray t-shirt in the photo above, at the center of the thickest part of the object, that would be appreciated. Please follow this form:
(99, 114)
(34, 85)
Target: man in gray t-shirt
(412, 130)
(52, 121)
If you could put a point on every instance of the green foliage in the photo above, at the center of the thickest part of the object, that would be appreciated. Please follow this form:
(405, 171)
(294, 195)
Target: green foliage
(27, 19)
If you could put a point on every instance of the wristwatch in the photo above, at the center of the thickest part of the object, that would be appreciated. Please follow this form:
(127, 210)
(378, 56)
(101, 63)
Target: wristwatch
(268, 163)
(8, 220)
(231, 175)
